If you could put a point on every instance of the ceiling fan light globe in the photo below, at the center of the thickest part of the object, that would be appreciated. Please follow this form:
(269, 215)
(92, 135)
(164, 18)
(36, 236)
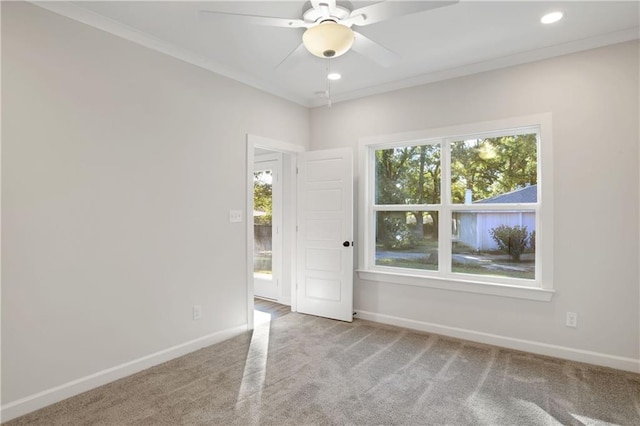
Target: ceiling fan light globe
(328, 39)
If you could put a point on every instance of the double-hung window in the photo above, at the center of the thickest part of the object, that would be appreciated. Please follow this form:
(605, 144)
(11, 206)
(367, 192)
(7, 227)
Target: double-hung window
(461, 207)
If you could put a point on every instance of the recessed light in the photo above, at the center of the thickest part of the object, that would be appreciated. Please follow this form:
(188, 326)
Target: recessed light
(552, 17)
(334, 76)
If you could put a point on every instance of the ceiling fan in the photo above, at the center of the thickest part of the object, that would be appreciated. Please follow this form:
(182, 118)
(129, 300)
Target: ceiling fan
(327, 25)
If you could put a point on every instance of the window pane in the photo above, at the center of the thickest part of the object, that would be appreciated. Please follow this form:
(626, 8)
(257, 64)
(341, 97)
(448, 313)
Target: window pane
(262, 217)
(408, 175)
(407, 239)
(498, 243)
(494, 170)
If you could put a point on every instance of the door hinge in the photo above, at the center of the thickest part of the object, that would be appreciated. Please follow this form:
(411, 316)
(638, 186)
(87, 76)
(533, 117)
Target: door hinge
(297, 170)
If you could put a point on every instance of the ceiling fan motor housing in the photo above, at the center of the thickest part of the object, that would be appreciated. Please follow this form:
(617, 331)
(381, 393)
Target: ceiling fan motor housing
(313, 15)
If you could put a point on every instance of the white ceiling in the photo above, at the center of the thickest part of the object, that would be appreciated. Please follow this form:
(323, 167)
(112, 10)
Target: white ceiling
(467, 37)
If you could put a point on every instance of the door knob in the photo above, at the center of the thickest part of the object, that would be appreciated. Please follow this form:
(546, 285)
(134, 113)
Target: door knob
(346, 243)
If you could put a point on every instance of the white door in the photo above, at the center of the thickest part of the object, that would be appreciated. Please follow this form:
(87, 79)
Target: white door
(325, 234)
(267, 225)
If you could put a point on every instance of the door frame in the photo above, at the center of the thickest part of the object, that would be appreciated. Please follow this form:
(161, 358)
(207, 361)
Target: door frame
(289, 210)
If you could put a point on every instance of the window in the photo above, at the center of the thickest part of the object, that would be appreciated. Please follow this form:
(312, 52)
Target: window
(461, 207)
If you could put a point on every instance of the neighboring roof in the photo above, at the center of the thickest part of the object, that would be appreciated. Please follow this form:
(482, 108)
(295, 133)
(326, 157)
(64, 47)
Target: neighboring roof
(528, 194)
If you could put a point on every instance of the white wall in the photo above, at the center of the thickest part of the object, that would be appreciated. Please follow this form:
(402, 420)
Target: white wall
(119, 168)
(593, 98)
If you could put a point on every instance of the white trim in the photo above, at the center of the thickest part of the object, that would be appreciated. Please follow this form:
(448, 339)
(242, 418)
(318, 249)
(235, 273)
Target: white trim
(285, 301)
(265, 158)
(249, 232)
(468, 286)
(274, 145)
(293, 238)
(563, 352)
(39, 400)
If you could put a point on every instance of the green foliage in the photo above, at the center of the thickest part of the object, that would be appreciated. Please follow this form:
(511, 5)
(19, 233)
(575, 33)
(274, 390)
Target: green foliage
(512, 240)
(408, 175)
(262, 197)
(493, 166)
(394, 233)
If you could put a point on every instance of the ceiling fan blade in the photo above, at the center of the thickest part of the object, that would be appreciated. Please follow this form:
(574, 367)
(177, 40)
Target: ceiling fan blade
(384, 10)
(294, 56)
(236, 18)
(372, 50)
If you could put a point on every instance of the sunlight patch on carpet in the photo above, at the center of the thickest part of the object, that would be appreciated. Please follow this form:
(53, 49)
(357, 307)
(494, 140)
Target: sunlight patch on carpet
(255, 368)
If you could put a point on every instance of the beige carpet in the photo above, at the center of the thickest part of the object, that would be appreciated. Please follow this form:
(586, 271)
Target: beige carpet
(304, 370)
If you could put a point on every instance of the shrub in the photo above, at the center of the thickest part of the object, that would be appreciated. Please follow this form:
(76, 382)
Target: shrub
(512, 240)
(532, 241)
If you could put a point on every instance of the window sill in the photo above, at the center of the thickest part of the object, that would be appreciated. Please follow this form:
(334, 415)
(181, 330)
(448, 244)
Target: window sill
(503, 290)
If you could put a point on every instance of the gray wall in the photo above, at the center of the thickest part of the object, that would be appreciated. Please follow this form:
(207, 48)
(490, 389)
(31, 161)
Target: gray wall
(119, 168)
(593, 98)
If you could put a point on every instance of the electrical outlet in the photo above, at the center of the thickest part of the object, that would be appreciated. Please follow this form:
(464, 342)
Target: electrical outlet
(197, 312)
(572, 319)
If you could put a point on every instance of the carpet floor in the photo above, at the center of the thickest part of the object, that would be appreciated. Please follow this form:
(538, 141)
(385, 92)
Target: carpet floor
(302, 370)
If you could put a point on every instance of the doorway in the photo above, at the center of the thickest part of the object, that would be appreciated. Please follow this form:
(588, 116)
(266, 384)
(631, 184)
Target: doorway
(259, 148)
(267, 224)
(317, 276)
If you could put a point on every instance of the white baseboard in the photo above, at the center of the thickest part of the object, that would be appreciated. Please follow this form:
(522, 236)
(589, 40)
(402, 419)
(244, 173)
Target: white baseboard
(285, 301)
(42, 399)
(605, 360)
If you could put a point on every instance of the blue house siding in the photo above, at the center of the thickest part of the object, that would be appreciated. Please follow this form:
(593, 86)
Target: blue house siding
(472, 228)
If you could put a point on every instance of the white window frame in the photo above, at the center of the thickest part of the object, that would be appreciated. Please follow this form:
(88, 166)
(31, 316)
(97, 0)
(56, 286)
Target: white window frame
(541, 288)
